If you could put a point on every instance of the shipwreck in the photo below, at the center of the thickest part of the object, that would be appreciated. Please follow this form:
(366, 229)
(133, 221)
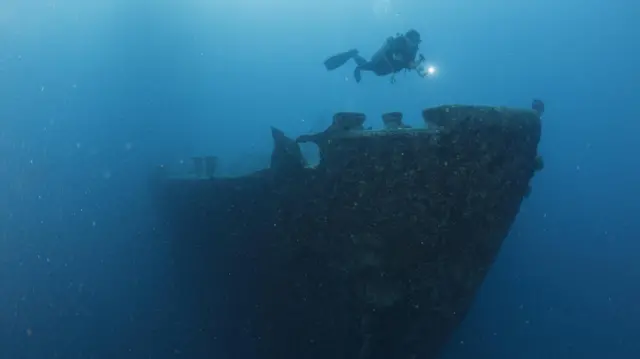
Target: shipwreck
(376, 252)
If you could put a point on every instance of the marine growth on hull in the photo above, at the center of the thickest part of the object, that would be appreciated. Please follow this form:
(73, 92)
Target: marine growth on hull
(374, 253)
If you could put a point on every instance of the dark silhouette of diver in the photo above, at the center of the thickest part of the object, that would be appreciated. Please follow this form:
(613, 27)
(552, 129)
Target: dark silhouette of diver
(396, 54)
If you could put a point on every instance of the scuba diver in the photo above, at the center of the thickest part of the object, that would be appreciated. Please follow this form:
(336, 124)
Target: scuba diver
(396, 54)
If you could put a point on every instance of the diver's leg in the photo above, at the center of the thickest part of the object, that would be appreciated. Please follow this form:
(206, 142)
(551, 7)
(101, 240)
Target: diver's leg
(360, 61)
(340, 59)
(363, 66)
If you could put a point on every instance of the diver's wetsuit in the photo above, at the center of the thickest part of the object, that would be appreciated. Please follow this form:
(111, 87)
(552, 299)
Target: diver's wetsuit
(396, 54)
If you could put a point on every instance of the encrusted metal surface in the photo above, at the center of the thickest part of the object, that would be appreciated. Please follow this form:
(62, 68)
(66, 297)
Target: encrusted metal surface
(374, 254)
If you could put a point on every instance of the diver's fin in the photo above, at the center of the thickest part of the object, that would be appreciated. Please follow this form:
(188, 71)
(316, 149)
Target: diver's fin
(357, 74)
(340, 59)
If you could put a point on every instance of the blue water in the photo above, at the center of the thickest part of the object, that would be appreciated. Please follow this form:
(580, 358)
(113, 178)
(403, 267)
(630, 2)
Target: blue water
(94, 93)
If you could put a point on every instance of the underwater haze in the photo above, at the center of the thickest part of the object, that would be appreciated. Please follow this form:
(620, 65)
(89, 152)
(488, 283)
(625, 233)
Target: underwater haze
(94, 94)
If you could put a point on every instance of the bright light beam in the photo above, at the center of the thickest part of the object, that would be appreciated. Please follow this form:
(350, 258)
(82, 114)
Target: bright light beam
(428, 70)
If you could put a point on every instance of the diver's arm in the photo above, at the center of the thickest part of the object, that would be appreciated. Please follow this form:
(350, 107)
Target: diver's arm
(415, 65)
(412, 54)
(402, 52)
